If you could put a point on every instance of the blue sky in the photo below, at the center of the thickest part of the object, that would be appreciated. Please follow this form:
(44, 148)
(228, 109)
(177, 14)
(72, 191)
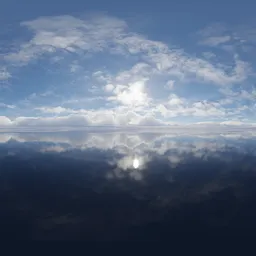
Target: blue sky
(122, 63)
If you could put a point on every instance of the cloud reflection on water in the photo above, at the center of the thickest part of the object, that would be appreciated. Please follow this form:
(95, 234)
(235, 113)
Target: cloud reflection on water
(130, 153)
(144, 176)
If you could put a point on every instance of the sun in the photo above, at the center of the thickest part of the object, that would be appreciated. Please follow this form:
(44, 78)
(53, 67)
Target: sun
(136, 163)
(133, 97)
(133, 94)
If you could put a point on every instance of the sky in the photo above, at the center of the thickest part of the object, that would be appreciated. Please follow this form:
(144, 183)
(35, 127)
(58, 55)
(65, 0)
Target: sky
(126, 63)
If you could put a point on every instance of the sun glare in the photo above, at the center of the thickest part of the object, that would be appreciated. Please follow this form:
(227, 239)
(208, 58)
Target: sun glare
(136, 163)
(135, 95)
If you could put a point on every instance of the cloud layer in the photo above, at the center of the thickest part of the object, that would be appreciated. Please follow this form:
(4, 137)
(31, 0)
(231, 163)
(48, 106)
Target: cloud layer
(106, 74)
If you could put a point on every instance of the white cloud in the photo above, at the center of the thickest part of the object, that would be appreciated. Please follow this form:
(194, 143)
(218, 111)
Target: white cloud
(230, 38)
(170, 84)
(207, 109)
(215, 29)
(103, 33)
(132, 94)
(236, 95)
(135, 109)
(54, 110)
(4, 74)
(67, 33)
(3, 105)
(53, 149)
(51, 122)
(182, 66)
(232, 123)
(209, 55)
(5, 121)
(246, 95)
(109, 87)
(120, 117)
(215, 40)
(101, 76)
(74, 67)
(176, 106)
(174, 100)
(226, 101)
(139, 71)
(126, 92)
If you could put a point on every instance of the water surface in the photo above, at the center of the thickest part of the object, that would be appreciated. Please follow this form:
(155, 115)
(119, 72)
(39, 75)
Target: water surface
(126, 186)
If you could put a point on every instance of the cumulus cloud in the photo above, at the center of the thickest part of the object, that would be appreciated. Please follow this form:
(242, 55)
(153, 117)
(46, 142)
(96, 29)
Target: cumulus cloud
(109, 87)
(131, 94)
(5, 121)
(174, 100)
(118, 120)
(79, 119)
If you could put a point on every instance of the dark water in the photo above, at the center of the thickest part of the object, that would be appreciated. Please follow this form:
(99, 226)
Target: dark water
(126, 186)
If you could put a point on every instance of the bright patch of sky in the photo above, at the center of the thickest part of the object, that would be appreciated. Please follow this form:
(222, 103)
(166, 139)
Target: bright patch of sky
(110, 63)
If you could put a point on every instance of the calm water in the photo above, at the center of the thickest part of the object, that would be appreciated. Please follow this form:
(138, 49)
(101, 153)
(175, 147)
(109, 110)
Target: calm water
(127, 186)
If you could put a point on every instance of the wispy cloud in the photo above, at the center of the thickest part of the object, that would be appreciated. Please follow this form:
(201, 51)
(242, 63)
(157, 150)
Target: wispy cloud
(3, 105)
(230, 38)
(215, 40)
(4, 74)
(102, 33)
